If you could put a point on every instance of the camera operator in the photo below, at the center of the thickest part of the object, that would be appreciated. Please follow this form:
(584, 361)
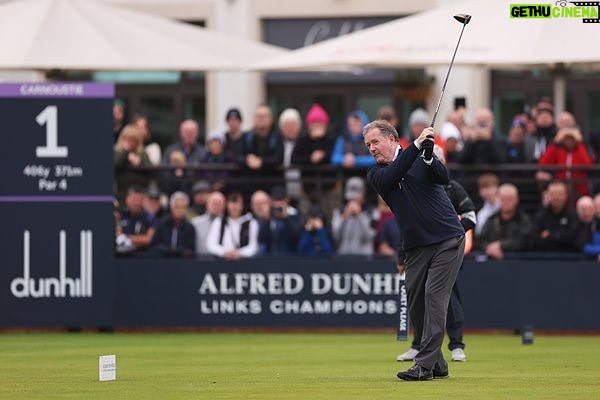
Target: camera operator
(315, 238)
(280, 233)
(352, 224)
(481, 147)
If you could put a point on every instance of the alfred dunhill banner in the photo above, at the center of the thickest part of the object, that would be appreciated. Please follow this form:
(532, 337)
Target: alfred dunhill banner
(55, 280)
(262, 293)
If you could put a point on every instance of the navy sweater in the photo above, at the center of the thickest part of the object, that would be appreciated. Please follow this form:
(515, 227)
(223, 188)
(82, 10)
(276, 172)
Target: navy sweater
(413, 191)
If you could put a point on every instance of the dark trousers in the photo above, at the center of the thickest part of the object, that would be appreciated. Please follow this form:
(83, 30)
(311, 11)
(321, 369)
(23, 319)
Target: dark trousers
(430, 275)
(455, 321)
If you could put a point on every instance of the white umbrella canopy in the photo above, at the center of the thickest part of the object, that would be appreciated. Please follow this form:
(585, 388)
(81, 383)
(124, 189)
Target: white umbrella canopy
(93, 35)
(491, 39)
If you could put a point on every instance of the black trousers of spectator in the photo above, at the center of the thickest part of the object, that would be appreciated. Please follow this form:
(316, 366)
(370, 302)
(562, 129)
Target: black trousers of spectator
(455, 319)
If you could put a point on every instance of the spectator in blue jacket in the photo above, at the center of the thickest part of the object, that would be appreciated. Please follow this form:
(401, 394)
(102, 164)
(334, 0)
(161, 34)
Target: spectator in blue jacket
(349, 150)
(135, 227)
(279, 234)
(315, 239)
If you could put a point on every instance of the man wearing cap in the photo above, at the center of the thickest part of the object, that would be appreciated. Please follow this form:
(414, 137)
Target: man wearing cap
(234, 134)
(200, 191)
(152, 205)
(352, 225)
(536, 144)
(433, 238)
(217, 154)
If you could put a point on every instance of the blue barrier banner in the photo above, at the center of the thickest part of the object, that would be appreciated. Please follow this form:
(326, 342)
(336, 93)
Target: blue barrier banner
(301, 292)
(260, 293)
(56, 169)
(295, 292)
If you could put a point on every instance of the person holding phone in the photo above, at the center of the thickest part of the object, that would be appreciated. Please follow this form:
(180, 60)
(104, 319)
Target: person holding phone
(481, 147)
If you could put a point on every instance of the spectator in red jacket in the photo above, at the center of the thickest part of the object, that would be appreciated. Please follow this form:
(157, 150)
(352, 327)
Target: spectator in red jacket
(567, 150)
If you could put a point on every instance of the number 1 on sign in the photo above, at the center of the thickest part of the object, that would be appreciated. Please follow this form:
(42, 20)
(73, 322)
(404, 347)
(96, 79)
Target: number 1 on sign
(49, 117)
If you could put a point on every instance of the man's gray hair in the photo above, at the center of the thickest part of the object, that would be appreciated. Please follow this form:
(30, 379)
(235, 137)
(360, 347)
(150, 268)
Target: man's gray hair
(290, 114)
(384, 127)
(509, 187)
(179, 196)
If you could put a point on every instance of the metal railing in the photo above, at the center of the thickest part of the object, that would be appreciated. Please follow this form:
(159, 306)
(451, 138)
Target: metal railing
(320, 177)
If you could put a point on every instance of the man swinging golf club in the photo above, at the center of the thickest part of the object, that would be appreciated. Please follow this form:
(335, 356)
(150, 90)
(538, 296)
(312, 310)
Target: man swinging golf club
(432, 238)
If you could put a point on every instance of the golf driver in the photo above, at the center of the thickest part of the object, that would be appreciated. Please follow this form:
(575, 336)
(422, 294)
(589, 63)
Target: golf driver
(464, 19)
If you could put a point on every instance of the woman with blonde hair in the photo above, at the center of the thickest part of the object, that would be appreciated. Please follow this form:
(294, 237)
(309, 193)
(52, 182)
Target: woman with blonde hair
(129, 157)
(152, 148)
(130, 148)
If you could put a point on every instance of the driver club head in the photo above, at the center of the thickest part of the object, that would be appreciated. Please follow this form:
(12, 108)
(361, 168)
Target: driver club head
(463, 18)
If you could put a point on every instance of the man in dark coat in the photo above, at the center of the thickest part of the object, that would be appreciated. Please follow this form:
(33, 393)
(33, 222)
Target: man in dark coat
(175, 236)
(433, 238)
(455, 320)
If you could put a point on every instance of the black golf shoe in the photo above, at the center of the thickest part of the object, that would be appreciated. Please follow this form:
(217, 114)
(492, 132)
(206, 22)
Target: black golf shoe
(417, 373)
(439, 372)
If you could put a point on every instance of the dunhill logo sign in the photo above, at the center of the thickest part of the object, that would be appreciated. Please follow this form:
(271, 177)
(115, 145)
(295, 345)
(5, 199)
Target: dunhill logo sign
(61, 286)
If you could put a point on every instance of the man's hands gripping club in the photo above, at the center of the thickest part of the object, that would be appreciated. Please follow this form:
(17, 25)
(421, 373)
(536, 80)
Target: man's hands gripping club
(426, 143)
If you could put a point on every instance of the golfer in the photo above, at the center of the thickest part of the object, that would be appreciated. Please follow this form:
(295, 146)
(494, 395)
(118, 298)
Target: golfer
(433, 239)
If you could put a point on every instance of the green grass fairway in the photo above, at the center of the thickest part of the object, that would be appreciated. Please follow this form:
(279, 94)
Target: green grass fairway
(289, 366)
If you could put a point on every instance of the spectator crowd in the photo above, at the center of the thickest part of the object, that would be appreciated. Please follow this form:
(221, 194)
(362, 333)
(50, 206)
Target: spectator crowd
(292, 185)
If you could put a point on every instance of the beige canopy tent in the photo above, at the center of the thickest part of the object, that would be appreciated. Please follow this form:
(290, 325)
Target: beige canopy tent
(94, 35)
(492, 39)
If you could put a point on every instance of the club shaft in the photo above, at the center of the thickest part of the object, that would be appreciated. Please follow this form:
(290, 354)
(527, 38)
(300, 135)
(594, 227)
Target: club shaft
(437, 108)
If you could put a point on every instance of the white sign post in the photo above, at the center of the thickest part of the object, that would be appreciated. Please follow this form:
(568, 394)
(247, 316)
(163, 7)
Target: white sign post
(107, 368)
